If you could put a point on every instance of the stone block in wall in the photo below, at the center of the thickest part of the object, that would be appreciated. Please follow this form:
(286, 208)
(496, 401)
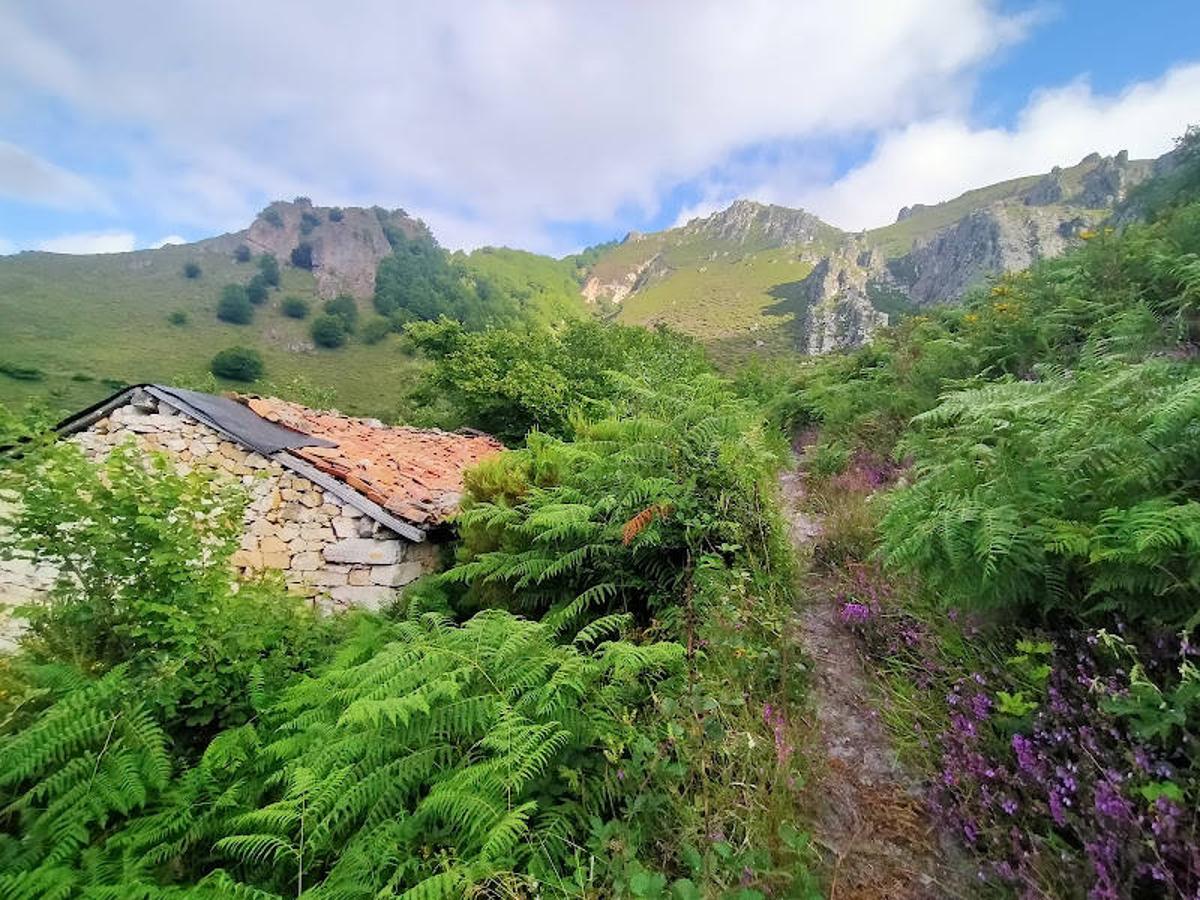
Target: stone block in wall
(272, 544)
(247, 559)
(370, 598)
(281, 560)
(308, 561)
(364, 551)
(397, 575)
(329, 578)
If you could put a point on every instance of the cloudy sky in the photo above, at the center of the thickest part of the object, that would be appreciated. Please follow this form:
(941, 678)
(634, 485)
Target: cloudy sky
(552, 125)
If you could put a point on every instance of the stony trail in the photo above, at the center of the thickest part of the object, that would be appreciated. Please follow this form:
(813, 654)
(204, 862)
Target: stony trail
(868, 815)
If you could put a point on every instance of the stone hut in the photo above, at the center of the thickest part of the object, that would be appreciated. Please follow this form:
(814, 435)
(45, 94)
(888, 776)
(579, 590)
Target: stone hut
(349, 510)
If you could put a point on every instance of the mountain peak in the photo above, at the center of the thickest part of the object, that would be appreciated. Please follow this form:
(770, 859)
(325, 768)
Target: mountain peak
(745, 221)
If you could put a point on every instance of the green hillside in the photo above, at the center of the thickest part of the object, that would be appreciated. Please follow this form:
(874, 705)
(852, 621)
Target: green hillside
(79, 321)
(723, 299)
(544, 285)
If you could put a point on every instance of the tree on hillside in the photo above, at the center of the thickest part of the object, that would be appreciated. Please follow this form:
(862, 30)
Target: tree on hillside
(294, 307)
(237, 364)
(419, 281)
(257, 290)
(191, 270)
(302, 255)
(242, 253)
(268, 265)
(272, 216)
(234, 305)
(328, 331)
(375, 329)
(345, 308)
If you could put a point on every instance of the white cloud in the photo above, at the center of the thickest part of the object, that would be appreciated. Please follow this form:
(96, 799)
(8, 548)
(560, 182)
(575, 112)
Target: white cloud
(938, 159)
(491, 118)
(90, 242)
(7, 247)
(168, 240)
(31, 179)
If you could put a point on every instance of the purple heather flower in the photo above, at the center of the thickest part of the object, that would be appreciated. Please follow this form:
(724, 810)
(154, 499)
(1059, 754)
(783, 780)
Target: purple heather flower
(855, 613)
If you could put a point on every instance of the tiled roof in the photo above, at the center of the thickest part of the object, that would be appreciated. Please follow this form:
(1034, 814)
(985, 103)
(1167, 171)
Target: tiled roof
(415, 474)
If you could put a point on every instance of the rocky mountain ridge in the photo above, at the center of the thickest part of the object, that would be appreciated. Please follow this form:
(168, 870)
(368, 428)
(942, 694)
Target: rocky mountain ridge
(932, 254)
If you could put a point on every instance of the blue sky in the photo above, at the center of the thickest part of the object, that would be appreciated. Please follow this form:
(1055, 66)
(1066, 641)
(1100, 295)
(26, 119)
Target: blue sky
(553, 125)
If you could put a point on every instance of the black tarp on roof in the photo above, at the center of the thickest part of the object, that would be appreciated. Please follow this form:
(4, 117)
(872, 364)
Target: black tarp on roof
(234, 419)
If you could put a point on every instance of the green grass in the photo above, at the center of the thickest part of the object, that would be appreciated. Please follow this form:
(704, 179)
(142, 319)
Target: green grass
(719, 299)
(104, 318)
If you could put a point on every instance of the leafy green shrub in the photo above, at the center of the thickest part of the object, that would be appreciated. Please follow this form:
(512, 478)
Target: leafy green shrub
(336, 214)
(294, 307)
(272, 216)
(302, 257)
(241, 253)
(508, 382)
(328, 331)
(191, 270)
(268, 267)
(178, 317)
(237, 364)
(345, 308)
(234, 305)
(375, 329)
(145, 584)
(257, 290)
(308, 221)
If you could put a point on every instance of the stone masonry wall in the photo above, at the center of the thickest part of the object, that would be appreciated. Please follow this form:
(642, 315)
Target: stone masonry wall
(326, 550)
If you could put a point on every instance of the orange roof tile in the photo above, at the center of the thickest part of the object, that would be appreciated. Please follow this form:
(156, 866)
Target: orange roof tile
(415, 474)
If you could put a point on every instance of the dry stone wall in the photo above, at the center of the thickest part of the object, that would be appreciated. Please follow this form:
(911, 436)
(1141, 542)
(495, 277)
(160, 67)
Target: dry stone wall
(327, 550)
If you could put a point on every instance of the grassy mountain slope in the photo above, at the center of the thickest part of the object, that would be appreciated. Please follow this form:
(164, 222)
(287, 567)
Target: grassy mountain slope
(81, 320)
(546, 286)
(718, 300)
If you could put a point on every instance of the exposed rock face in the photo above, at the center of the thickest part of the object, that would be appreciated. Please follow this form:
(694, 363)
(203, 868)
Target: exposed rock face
(988, 241)
(1107, 184)
(346, 251)
(326, 550)
(619, 288)
(907, 212)
(1049, 189)
(745, 220)
(839, 312)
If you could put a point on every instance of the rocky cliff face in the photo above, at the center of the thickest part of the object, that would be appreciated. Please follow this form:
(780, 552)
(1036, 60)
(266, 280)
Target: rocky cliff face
(1006, 235)
(838, 312)
(1002, 238)
(347, 244)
